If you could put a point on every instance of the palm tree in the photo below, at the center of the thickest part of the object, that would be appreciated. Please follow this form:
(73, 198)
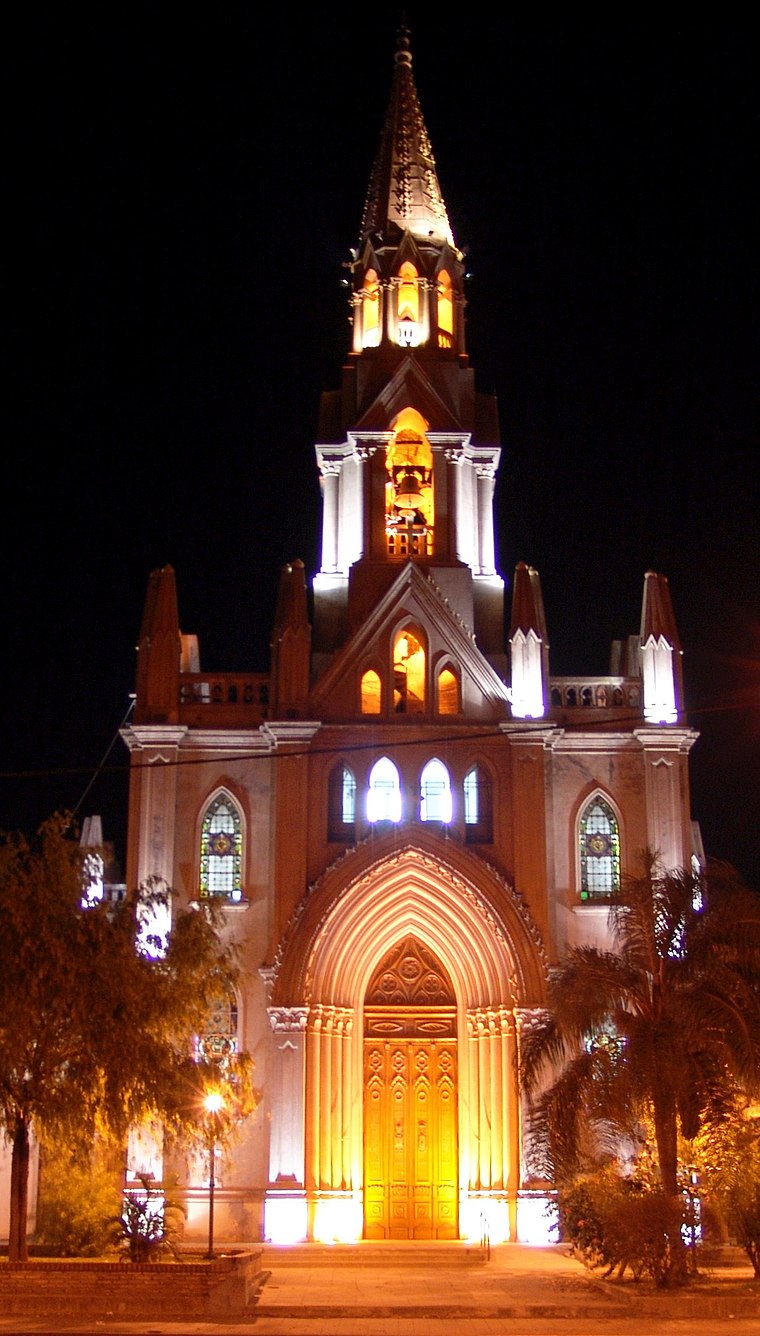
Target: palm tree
(660, 1025)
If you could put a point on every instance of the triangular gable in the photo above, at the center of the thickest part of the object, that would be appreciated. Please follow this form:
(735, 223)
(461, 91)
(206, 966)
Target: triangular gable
(408, 387)
(416, 596)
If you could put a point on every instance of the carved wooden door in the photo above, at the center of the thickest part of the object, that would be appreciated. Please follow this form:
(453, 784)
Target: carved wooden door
(410, 1098)
(410, 1179)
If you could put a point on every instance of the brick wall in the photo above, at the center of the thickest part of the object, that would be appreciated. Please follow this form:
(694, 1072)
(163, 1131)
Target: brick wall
(130, 1291)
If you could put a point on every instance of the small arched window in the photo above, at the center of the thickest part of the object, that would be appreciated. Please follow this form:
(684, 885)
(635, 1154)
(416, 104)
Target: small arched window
(221, 850)
(408, 293)
(478, 806)
(371, 692)
(384, 792)
(599, 847)
(448, 692)
(370, 310)
(435, 793)
(445, 311)
(342, 802)
(409, 672)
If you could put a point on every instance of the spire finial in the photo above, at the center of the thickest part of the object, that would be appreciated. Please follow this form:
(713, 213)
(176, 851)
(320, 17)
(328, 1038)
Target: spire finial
(403, 42)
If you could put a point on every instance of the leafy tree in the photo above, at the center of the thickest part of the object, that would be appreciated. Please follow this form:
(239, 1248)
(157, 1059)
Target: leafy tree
(727, 1154)
(98, 1008)
(662, 1023)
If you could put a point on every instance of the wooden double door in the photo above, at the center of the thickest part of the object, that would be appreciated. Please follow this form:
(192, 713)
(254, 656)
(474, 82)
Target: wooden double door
(410, 1134)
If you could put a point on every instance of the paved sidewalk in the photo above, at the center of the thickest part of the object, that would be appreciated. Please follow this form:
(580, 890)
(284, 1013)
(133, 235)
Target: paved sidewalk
(402, 1290)
(463, 1288)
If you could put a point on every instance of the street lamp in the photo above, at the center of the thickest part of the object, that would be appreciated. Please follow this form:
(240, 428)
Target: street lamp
(213, 1104)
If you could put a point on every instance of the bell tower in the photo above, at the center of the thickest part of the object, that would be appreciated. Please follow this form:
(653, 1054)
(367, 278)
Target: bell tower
(408, 450)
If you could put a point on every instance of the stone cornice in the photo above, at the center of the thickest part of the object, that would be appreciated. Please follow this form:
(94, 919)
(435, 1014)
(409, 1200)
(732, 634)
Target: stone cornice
(670, 737)
(137, 737)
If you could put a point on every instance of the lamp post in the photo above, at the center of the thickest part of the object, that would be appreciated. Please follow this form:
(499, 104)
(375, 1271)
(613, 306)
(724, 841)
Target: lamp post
(213, 1104)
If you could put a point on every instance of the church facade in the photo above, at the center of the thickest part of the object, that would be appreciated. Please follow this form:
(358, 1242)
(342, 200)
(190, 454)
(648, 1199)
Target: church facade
(408, 818)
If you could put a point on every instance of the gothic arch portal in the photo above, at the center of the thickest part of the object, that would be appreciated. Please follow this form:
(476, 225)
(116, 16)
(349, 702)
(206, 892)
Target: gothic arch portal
(364, 906)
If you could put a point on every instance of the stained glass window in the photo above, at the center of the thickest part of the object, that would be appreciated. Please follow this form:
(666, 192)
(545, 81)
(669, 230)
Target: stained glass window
(219, 1042)
(599, 851)
(221, 850)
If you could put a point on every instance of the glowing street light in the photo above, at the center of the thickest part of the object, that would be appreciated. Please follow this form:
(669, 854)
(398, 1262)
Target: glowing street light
(213, 1105)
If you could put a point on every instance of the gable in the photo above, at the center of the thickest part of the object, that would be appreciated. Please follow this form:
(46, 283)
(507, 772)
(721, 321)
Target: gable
(408, 387)
(412, 606)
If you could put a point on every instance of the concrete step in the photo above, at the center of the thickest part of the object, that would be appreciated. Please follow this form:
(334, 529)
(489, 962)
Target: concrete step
(365, 1252)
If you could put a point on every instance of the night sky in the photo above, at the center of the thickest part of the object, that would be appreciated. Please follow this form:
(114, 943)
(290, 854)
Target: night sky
(183, 189)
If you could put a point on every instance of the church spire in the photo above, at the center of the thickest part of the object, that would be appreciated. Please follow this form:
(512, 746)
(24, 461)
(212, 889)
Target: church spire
(404, 192)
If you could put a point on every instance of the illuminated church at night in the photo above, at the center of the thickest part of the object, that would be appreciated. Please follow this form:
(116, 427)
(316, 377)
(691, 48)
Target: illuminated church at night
(408, 818)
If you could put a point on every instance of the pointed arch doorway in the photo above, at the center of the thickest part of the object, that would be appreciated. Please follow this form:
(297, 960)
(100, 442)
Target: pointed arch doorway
(410, 1097)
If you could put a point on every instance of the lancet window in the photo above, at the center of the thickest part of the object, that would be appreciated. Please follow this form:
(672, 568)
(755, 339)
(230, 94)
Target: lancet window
(408, 305)
(445, 311)
(409, 672)
(384, 792)
(447, 690)
(371, 692)
(478, 806)
(435, 793)
(221, 850)
(599, 849)
(342, 802)
(370, 293)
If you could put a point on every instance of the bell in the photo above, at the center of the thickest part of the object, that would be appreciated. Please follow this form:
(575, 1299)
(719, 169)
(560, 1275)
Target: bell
(409, 494)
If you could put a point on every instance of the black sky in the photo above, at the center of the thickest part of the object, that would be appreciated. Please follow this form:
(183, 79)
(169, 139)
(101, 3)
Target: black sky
(184, 188)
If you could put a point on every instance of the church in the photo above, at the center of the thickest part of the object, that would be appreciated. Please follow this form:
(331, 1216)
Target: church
(408, 818)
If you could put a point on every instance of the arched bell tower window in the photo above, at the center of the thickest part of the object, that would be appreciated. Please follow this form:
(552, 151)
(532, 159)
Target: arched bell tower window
(371, 692)
(342, 802)
(409, 499)
(384, 792)
(221, 850)
(445, 311)
(447, 691)
(370, 295)
(408, 308)
(409, 672)
(478, 806)
(435, 793)
(599, 849)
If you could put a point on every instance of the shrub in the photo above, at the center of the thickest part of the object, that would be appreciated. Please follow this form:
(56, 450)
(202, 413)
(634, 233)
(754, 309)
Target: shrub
(149, 1223)
(615, 1225)
(77, 1199)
